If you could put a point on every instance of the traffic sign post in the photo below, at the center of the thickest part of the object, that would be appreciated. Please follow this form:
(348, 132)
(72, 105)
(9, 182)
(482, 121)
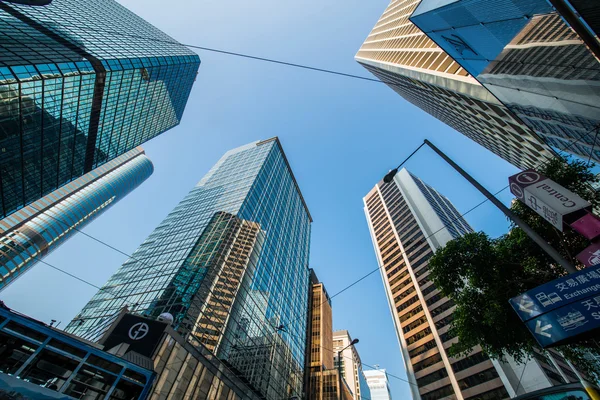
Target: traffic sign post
(546, 197)
(563, 309)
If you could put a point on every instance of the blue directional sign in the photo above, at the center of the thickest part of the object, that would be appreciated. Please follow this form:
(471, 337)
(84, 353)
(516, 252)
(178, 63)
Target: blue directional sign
(560, 325)
(558, 293)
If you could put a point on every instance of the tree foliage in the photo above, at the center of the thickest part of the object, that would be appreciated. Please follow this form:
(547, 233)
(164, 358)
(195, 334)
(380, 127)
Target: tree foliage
(481, 274)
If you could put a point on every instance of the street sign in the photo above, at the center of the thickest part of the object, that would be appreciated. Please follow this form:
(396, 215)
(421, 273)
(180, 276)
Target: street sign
(142, 334)
(546, 197)
(557, 293)
(591, 255)
(558, 326)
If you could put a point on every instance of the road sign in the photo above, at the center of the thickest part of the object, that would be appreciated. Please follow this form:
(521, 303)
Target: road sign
(561, 325)
(558, 293)
(546, 197)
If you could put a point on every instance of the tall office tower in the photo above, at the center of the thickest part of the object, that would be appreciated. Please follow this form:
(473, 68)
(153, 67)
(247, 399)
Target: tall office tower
(230, 263)
(378, 384)
(351, 366)
(322, 378)
(81, 83)
(527, 55)
(32, 232)
(415, 67)
(409, 221)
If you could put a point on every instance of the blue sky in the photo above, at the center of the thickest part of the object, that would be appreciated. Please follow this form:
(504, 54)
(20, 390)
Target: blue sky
(341, 136)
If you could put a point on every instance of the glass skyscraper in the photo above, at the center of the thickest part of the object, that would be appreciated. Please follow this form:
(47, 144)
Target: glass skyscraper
(527, 55)
(35, 230)
(409, 220)
(230, 262)
(419, 70)
(81, 82)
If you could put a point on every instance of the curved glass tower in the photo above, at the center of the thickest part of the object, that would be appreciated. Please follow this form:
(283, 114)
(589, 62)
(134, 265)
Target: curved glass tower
(230, 263)
(81, 83)
(34, 231)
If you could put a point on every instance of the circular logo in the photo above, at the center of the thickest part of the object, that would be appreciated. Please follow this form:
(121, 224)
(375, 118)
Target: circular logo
(528, 177)
(516, 190)
(138, 331)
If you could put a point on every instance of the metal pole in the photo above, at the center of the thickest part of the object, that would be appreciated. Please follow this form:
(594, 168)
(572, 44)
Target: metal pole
(551, 251)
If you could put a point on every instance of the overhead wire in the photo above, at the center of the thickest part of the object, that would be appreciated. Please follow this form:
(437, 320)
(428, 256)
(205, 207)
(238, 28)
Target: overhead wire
(269, 60)
(332, 296)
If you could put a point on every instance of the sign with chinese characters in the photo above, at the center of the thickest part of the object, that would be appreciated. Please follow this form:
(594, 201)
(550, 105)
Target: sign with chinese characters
(546, 197)
(558, 326)
(557, 293)
(562, 309)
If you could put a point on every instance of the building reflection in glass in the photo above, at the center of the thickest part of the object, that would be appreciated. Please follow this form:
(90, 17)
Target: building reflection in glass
(530, 59)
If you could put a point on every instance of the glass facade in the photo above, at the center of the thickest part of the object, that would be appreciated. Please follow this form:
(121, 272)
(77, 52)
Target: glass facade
(81, 82)
(527, 56)
(32, 232)
(422, 72)
(230, 262)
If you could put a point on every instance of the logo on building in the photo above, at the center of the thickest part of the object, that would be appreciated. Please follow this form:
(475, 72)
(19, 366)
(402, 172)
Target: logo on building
(138, 331)
(459, 44)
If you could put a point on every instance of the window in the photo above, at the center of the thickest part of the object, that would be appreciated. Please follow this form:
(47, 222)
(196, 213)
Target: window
(418, 336)
(468, 362)
(13, 353)
(438, 393)
(432, 377)
(495, 394)
(478, 379)
(49, 369)
(428, 362)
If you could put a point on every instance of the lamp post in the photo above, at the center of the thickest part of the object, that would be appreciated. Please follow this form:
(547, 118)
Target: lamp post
(339, 357)
(551, 251)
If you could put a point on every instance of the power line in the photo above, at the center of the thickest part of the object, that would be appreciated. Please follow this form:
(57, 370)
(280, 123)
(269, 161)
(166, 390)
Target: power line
(264, 60)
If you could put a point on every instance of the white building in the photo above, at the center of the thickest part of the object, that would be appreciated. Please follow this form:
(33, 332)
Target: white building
(379, 386)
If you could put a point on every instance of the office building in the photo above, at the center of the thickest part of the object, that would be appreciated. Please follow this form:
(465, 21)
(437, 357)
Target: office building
(32, 232)
(230, 263)
(322, 378)
(81, 83)
(379, 385)
(415, 67)
(409, 220)
(349, 364)
(525, 53)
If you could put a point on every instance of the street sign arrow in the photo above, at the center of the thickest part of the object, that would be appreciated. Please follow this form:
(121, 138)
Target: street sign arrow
(541, 330)
(526, 305)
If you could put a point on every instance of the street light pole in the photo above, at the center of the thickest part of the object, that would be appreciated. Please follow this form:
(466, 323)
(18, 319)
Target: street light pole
(339, 357)
(551, 251)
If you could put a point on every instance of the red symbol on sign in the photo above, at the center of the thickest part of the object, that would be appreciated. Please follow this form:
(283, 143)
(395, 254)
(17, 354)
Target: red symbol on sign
(528, 177)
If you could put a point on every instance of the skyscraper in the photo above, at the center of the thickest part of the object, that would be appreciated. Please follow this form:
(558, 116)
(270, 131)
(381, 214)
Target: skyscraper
(230, 262)
(81, 82)
(415, 67)
(323, 380)
(351, 366)
(35, 230)
(378, 383)
(528, 56)
(409, 220)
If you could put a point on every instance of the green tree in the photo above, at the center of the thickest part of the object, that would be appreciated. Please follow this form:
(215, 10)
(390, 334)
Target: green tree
(481, 274)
